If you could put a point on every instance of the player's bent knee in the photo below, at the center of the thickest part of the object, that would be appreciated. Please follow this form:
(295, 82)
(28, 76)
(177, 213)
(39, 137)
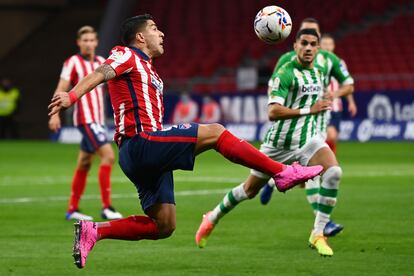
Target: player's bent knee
(84, 165)
(216, 129)
(110, 159)
(208, 135)
(332, 176)
(165, 230)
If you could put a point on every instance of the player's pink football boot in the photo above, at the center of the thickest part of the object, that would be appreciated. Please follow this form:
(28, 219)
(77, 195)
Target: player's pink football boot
(205, 229)
(295, 174)
(86, 235)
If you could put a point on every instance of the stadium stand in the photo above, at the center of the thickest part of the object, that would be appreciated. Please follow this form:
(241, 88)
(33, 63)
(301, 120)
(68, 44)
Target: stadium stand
(214, 36)
(206, 43)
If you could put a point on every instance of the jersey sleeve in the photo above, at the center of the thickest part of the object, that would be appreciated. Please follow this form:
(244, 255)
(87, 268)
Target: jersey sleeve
(279, 85)
(285, 58)
(68, 70)
(121, 60)
(339, 70)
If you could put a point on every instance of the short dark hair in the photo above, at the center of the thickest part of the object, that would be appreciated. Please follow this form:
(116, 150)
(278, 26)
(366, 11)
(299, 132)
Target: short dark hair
(131, 26)
(307, 32)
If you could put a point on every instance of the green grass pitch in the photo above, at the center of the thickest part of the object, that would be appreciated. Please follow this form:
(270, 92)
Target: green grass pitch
(375, 204)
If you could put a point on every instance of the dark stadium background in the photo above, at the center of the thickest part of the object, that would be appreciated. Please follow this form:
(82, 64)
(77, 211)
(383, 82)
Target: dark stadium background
(207, 42)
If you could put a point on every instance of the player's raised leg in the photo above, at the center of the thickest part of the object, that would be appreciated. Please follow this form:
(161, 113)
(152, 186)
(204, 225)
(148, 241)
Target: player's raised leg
(241, 152)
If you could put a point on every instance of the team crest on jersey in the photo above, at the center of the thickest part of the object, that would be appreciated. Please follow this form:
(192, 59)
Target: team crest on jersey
(116, 54)
(184, 126)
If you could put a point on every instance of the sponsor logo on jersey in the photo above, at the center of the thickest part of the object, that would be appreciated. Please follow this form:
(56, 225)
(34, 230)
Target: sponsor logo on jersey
(156, 82)
(311, 89)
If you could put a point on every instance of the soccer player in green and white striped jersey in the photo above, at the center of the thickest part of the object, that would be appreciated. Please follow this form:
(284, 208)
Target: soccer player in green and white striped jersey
(331, 67)
(295, 97)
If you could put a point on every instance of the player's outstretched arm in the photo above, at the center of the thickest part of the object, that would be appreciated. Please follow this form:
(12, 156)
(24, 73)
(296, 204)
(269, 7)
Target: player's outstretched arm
(279, 112)
(62, 100)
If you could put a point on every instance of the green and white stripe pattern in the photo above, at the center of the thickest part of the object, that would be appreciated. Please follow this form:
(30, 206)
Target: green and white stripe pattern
(327, 195)
(230, 200)
(312, 192)
(295, 88)
(330, 65)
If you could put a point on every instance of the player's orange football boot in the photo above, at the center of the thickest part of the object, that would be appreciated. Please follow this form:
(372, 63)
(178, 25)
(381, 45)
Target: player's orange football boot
(204, 231)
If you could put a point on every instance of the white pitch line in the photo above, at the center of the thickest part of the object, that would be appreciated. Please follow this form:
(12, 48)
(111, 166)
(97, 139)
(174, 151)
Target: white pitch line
(18, 180)
(90, 197)
(49, 180)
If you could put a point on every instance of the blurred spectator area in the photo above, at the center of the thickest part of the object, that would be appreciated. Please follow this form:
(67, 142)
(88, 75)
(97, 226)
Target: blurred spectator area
(381, 56)
(20, 18)
(36, 37)
(206, 44)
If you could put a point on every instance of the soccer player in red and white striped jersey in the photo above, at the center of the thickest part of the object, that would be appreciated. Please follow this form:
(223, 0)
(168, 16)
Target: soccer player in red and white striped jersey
(148, 153)
(89, 118)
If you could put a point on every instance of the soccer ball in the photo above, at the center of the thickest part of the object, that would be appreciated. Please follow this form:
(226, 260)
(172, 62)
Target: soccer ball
(272, 24)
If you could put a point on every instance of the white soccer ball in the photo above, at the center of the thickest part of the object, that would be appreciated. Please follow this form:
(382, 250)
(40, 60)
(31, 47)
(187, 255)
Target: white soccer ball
(272, 24)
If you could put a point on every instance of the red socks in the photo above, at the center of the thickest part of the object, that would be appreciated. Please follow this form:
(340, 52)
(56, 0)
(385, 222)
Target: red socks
(241, 152)
(132, 228)
(78, 186)
(105, 184)
(332, 145)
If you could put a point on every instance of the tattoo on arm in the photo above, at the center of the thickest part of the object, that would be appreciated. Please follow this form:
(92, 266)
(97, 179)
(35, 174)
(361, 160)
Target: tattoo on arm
(107, 71)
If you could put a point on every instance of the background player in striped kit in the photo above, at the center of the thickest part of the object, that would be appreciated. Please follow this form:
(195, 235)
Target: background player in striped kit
(331, 67)
(89, 117)
(148, 153)
(296, 96)
(332, 131)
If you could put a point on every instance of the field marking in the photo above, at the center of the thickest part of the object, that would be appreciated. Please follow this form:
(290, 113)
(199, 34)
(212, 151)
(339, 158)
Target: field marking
(94, 197)
(18, 180)
(50, 180)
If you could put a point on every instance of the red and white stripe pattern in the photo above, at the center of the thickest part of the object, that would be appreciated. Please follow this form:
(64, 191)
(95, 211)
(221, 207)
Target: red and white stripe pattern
(90, 108)
(136, 92)
(337, 102)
